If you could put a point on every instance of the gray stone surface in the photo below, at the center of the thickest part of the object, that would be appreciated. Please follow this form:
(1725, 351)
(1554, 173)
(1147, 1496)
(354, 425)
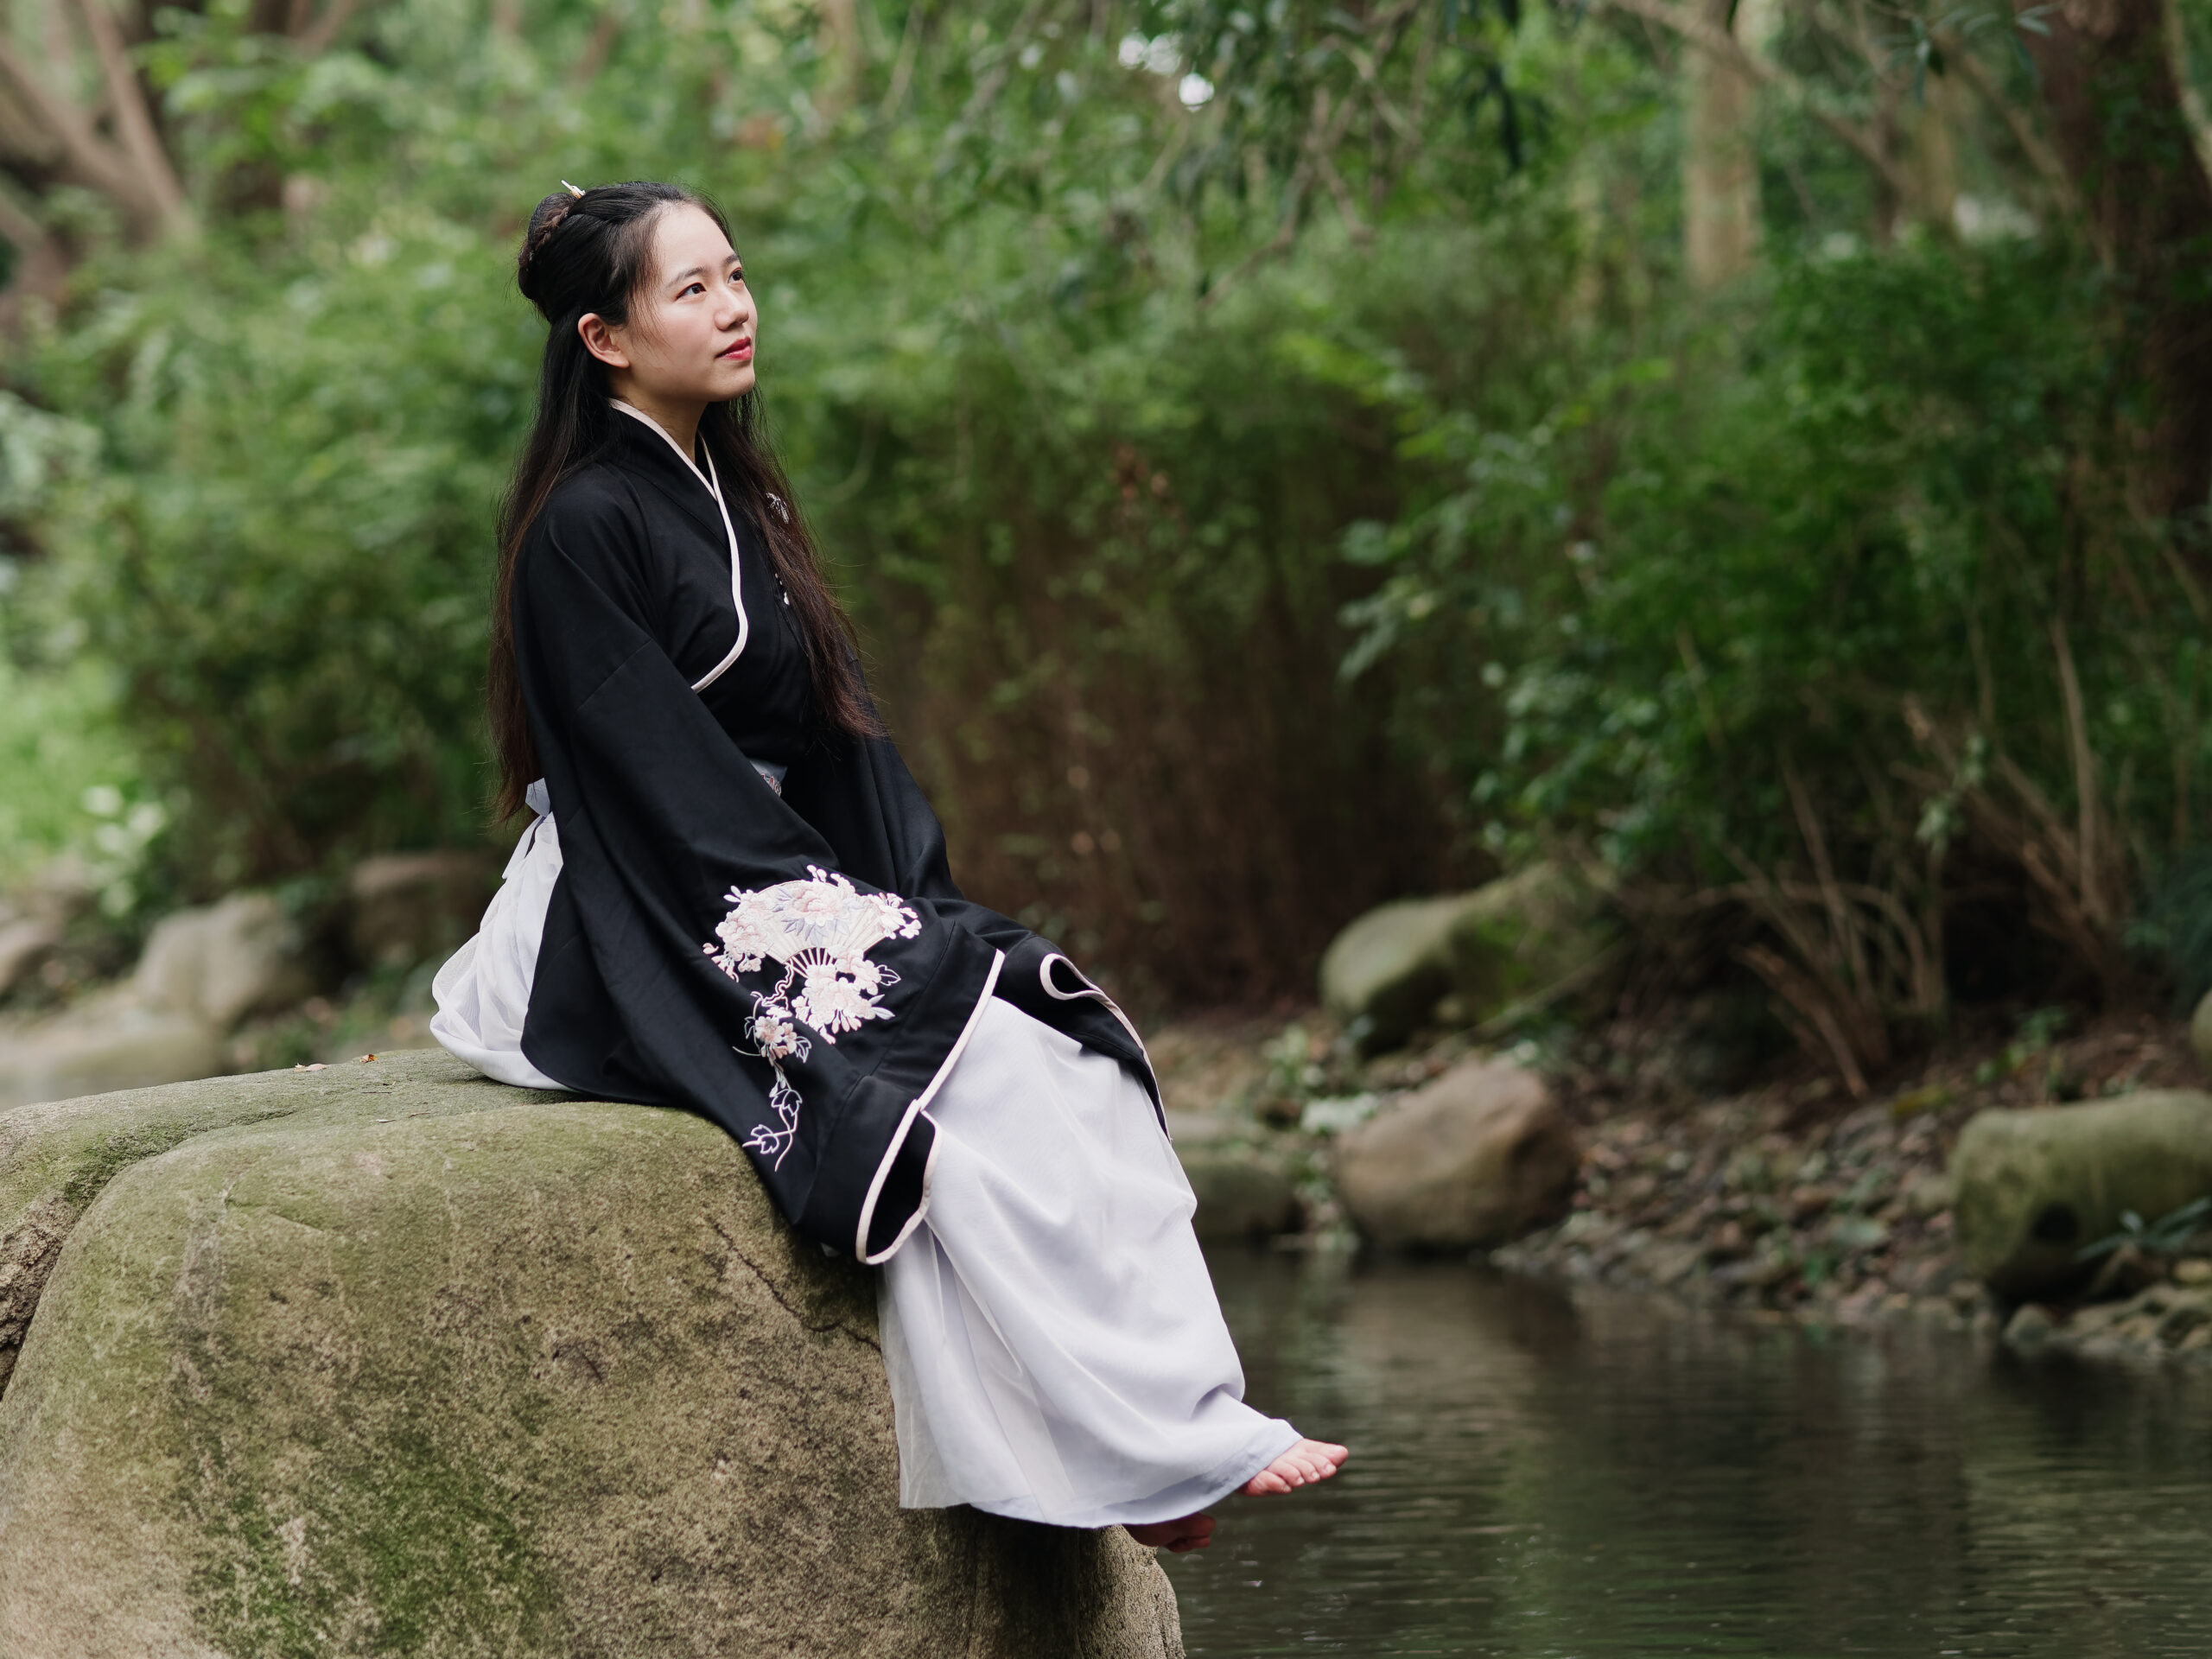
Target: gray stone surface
(1389, 967)
(2031, 1188)
(1473, 1159)
(109, 1041)
(1243, 1193)
(224, 962)
(24, 942)
(386, 1358)
(1540, 935)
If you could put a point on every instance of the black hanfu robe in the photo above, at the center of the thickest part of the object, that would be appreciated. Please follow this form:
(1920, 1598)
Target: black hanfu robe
(797, 966)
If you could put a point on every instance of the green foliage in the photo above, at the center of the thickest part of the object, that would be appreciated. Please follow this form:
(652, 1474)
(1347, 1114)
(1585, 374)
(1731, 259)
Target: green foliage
(1695, 566)
(60, 745)
(2168, 1236)
(288, 565)
(1082, 461)
(1839, 595)
(2176, 924)
(1270, 450)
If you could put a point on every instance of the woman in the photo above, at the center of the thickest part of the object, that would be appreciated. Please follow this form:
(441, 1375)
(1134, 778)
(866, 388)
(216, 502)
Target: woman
(744, 909)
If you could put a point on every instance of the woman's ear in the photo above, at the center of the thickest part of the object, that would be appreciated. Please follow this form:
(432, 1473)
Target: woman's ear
(599, 339)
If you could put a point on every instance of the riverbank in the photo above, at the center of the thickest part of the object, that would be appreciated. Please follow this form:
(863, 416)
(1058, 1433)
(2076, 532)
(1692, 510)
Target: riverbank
(1786, 1200)
(1794, 1201)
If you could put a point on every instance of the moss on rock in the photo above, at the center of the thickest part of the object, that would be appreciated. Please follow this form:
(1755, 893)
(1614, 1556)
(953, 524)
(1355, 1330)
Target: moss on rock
(441, 1368)
(2034, 1187)
(56, 1157)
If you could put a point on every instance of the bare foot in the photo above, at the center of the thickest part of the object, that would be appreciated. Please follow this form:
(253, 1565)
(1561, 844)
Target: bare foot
(1192, 1532)
(1308, 1461)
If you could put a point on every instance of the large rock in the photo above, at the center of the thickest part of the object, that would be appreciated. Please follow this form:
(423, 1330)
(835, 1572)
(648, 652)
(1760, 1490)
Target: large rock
(1388, 968)
(389, 1359)
(34, 918)
(110, 1040)
(1473, 1159)
(1243, 1193)
(225, 961)
(24, 942)
(1540, 935)
(412, 907)
(1526, 939)
(201, 972)
(2032, 1188)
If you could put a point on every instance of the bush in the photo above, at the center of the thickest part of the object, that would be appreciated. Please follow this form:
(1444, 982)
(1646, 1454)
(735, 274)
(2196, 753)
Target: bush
(1842, 626)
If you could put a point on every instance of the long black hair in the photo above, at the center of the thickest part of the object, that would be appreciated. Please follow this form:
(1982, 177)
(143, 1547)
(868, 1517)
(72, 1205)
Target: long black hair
(594, 252)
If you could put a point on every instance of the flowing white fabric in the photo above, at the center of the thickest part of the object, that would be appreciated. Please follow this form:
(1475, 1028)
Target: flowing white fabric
(1049, 1330)
(483, 990)
(1055, 1348)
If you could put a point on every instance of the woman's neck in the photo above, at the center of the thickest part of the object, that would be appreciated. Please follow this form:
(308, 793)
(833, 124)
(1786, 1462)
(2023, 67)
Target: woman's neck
(678, 417)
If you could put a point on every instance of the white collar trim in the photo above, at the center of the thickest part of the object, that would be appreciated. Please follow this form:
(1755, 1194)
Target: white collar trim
(713, 482)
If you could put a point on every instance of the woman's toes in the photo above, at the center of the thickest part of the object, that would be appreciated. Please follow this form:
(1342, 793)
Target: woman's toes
(1304, 1463)
(1198, 1534)
(1192, 1532)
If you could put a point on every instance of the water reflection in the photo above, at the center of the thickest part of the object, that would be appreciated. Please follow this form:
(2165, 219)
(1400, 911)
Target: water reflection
(1533, 1479)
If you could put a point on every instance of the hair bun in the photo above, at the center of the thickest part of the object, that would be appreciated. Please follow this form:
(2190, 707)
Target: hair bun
(550, 215)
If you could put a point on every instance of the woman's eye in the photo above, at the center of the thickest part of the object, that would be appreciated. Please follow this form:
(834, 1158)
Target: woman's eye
(695, 287)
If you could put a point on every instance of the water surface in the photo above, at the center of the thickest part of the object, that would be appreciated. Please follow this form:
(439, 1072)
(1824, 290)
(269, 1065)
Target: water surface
(1534, 1479)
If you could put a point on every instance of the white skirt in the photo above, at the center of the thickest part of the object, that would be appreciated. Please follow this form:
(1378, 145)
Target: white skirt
(1055, 1350)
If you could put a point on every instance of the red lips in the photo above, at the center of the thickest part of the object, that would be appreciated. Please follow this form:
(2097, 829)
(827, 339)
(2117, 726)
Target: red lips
(741, 353)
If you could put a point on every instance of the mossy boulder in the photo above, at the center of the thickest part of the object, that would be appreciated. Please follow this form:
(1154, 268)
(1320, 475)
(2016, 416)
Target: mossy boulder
(389, 1359)
(1544, 934)
(1531, 937)
(1384, 973)
(2032, 1188)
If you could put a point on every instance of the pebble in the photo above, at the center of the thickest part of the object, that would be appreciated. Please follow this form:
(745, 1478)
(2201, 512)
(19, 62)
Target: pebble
(2029, 1328)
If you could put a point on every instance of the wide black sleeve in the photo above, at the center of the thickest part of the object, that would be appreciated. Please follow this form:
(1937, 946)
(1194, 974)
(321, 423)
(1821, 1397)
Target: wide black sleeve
(704, 947)
(861, 795)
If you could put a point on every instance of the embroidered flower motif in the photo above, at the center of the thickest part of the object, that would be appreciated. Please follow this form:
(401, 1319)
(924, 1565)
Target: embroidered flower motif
(820, 930)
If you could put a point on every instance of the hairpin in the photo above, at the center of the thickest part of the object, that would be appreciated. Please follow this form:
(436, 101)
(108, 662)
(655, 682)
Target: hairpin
(571, 189)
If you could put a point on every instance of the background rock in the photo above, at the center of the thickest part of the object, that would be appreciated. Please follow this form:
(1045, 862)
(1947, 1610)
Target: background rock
(201, 972)
(2032, 1188)
(24, 941)
(1537, 935)
(108, 1041)
(1389, 967)
(225, 961)
(1242, 1192)
(412, 907)
(400, 1361)
(34, 918)
(1475, 1158)
(1541, 933)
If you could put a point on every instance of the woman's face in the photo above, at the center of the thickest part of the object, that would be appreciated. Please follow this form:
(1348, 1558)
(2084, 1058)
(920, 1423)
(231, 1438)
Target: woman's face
(690, 337)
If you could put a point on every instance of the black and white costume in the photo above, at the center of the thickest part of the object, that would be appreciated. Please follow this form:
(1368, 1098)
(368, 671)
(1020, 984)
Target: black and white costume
(719, 908)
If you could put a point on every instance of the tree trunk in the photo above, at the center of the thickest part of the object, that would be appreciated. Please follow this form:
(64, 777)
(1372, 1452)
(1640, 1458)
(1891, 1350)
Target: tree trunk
(1935, 155)
(1720, 177)
(2120, 126)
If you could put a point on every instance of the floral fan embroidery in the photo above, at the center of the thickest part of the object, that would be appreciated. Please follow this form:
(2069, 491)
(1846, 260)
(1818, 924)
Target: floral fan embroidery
(820, 930)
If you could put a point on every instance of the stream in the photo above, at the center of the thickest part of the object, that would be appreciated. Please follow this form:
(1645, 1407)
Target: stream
(1532, 1477)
